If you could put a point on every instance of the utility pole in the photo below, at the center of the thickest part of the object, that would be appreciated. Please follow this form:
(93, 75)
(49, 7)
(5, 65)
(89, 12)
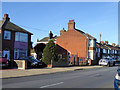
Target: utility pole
(100, 37)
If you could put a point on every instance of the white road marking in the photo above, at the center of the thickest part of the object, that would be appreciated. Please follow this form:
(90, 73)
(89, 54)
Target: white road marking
(51, 85)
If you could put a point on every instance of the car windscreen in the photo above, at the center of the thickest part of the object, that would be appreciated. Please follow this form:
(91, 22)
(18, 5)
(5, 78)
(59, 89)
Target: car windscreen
(105, 58)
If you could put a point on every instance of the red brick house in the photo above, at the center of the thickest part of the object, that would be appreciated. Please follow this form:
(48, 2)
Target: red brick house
(73, 45)
(77, 47)
(16, 41)
(77, 43)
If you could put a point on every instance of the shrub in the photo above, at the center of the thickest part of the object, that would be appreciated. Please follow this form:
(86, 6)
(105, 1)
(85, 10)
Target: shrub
(49, 52)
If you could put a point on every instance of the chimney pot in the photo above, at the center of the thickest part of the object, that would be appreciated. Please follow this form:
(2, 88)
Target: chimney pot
(6, 18)
(50, 35)
(71, 24)
(117, 45)
(106, 42)
(102, 42)
(113, 44)
(5, 15)
(62, 31)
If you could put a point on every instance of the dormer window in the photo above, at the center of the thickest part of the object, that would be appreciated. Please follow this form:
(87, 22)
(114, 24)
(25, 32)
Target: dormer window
(7, 35)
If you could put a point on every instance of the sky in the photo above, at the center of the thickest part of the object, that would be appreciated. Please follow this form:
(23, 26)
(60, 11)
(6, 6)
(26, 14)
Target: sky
(41, 17)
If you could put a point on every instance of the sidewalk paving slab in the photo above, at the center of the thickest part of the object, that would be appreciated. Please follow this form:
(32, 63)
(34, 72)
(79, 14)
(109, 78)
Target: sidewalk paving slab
(28, 72)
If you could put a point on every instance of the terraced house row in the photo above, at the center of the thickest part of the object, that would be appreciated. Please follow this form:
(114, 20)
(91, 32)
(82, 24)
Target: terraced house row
(104, 49)
(78, 47)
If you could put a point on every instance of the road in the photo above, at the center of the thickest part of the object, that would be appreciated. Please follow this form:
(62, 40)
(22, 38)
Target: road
(90, 78)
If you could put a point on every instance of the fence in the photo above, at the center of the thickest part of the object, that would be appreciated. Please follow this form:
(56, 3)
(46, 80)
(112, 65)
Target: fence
(75, 60)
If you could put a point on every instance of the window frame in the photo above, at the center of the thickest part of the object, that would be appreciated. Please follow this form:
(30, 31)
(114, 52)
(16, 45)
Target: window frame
(9, 35)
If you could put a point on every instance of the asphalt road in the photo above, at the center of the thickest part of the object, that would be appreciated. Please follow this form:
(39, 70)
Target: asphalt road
(90, 78)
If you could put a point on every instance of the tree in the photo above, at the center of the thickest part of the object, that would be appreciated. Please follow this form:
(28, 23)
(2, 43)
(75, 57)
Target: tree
(49, 52)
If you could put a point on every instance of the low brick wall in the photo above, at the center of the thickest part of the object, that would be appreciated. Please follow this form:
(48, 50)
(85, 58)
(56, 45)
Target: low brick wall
(61, 63)
(21, 64)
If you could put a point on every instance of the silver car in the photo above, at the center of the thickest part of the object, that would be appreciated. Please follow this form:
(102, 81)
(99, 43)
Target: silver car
(106, 62)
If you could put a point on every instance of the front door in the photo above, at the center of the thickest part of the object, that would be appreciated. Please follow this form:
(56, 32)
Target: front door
(6, 54)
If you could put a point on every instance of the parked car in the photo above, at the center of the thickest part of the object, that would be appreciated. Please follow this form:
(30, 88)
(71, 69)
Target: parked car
(31, 61)
(117, 61)
(117, 80)
(3, 62)
(106, 62)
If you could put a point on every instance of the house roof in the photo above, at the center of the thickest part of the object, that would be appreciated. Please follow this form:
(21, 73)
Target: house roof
(10, 26)
(99, 45)
(45, 39)
(55, 37)
(106, 46)
(112, 47)
(86, 34)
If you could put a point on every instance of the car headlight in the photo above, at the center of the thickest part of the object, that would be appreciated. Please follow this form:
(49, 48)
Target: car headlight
(7, 62)
(34, 63)
(117, 77)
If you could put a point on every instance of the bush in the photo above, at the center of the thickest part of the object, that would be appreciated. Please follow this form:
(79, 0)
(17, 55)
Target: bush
(49, 52)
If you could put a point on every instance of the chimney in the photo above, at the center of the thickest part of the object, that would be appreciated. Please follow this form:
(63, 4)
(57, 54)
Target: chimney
(6, 18)
(62, 31)
(50, 35)
(102, 42)
(113, 44)
(71, 24)
(106, 42)
(117, 45)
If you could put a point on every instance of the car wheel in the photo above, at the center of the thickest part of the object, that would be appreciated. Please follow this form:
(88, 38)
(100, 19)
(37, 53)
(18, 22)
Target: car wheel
(114, 64)
(108, 64)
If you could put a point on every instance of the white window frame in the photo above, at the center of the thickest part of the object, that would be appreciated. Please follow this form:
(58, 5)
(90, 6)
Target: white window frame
(90, 43)
(19, 37)
(5, 35)
(16, 50)
(18, 53)
(104, 50)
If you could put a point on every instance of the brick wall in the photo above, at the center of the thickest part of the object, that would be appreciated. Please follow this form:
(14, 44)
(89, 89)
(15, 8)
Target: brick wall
(74, 42)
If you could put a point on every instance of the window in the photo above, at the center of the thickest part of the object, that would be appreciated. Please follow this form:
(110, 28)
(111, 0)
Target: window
(19, 53)
(16, 53)
(22, 53)
(112, 51)
(60, 56)
(98, 54)
(98, 49)
(90, 43)
(115, 51)
(93, 43)
(89, 55)
(104, 50)
(7, 35)
(23, 37)
(108, 51)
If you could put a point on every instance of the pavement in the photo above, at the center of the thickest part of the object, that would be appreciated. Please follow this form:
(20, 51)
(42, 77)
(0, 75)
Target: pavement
(88, 78)
(13, 73)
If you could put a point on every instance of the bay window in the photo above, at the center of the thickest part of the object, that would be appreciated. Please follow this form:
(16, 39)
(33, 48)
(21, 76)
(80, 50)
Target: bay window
(18, 53)
(22, 37)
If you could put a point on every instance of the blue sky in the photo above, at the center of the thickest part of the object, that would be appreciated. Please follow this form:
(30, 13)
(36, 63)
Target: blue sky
(41, 17)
